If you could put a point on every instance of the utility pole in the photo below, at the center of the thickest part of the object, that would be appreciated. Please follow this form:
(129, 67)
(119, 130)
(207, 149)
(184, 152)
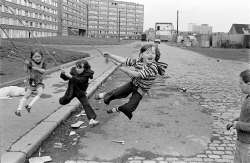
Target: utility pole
(119, 13)
(87, 6)
(119, 25)
(177, 22)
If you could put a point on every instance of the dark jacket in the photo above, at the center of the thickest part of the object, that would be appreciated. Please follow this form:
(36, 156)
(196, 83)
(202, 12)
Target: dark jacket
(243, 125)
(80, 81)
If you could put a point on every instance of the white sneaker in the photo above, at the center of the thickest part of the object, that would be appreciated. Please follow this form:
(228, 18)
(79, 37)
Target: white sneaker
(93, 122)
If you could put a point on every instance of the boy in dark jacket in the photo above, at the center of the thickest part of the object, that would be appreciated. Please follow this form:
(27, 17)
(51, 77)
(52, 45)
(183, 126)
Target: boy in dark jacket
(242, 123)
(77, 86)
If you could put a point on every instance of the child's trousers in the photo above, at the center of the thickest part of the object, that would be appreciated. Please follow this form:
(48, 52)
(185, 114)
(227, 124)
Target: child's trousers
(242, 152)
(71, 92)
(122, 92)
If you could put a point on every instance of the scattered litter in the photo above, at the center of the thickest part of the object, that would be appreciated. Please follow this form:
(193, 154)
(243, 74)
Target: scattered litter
(40, 159)
(77, 124)
(81, 114)
(58, 145)
(74, 143)
(70, 161)
(119, 141)
(83, 127)
(40, 152)
(75, 139)
(182, 89)
(72, 133)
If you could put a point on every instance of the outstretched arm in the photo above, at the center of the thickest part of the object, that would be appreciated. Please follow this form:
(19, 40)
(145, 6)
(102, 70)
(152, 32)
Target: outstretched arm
(243, 126)
(130, 72)
(115, 57)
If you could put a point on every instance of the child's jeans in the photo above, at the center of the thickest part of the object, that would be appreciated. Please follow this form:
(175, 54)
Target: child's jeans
(242, 152)
(71, 93)
(122, 92)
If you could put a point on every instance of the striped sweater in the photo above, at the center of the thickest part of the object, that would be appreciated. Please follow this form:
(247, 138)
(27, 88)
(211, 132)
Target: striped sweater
(148, 73)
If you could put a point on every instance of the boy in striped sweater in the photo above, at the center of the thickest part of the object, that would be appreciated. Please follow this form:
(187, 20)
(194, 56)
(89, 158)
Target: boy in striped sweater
(145, 70)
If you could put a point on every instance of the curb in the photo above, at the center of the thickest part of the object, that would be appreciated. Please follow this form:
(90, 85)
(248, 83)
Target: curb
(29, 143)
(53, 69)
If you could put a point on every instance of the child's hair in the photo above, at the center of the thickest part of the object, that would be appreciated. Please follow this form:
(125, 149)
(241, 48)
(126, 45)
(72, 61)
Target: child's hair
(147, 46)
(245, 75)
(34, 51)
(160, 65)
(85, 64)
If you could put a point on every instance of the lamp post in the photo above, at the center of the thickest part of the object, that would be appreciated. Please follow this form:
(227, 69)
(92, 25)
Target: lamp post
(119, 25)
(119, 17)
(87, 23)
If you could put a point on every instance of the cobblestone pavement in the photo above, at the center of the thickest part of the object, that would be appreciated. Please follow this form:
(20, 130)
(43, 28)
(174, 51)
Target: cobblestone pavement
(214, 84)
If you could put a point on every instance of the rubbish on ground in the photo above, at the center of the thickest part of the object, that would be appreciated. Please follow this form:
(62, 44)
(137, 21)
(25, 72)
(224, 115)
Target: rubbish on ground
(40, 152)
(72, 133)
(70, 161)
(83, 127)
(81, 114)
(118, 141)
(74, 143)
(40, 159)
(11, 91)
(58, 145)
(77, 124)
(182, 89)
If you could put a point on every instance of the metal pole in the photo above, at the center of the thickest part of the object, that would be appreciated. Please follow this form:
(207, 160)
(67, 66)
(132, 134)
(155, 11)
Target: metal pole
(177, 22)
(87, 20)
(119, 27)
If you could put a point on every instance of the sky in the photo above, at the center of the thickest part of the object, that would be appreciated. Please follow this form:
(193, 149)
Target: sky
(220, 14)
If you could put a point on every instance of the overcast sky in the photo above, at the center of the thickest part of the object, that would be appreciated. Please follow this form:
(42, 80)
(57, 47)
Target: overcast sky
(220, 14)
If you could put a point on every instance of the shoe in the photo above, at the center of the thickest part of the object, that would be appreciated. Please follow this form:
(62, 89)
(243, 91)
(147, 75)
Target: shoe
(127, 113)
(18, 113)
(113, 110)
(99, 96)
(93, 122)
(28, 108)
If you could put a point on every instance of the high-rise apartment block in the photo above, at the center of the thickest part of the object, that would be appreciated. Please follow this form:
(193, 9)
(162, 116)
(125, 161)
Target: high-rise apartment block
(92, 18)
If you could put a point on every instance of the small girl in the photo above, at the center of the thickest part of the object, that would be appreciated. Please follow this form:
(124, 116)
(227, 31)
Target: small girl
(145, 70)
(35, 69)
(77, 86)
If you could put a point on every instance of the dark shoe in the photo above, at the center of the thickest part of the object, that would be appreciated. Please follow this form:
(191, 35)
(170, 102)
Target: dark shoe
(106, 98)
(113, 110)
(18, 113)
(127, 113)
(28, 108)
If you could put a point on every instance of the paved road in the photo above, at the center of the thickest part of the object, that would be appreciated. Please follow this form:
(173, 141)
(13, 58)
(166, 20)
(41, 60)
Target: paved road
(12, 127)
(169, 126)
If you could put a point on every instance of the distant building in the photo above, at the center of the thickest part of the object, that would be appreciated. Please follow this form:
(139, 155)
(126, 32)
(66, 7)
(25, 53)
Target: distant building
(110, 18)
(164, 31)
(150, 34)
(240, 29)
(95, 18)
(200, 29)
(38, 16)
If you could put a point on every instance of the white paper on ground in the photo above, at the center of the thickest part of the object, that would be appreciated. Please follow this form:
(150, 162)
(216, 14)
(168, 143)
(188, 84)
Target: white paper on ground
(77, 124)
(40, 159)
(72, 133)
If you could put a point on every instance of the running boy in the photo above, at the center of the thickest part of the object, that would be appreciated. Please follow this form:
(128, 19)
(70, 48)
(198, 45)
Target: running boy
(77, 86)
(242, 123)
(35, 69)
(143, 71)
